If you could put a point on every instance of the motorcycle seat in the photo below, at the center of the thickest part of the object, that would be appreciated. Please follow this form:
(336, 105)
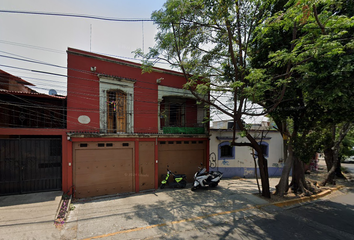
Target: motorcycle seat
(203, 174)
(180, 175)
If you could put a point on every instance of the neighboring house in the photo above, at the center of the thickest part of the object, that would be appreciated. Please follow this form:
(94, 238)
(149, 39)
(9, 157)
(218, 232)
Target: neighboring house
(32, 138)
(125, 128)
(236, 161)
(13, 83)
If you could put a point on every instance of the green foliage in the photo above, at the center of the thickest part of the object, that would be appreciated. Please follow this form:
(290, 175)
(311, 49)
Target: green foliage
(307, 45)
(242, 133)
(347, 147)
(71, 207)
(209, 42)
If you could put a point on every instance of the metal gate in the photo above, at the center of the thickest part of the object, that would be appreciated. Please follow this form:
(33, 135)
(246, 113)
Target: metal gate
(30, 165)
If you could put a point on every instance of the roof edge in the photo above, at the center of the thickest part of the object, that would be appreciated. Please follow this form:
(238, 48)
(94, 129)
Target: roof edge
(118, 61)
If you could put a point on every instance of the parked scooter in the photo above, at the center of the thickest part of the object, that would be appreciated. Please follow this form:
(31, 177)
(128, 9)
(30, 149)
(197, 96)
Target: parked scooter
(202, 178)
(179, 180)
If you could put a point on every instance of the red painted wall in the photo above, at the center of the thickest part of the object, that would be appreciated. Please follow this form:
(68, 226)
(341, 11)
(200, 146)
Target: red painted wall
(83, 89)
(82, 95)
(191, 112)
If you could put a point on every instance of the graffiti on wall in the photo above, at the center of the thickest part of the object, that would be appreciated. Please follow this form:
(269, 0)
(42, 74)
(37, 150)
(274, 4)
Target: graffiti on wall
(212, 160)
(225, 163)
(248, 172)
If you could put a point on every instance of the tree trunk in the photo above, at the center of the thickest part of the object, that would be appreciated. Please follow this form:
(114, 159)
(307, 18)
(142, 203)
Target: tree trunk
(255, 171)
(262, 162)
(283, 186)
(328, 152)
(298, 182)
(338, 170)
(295, 180)
(331, 173)
(263, 170)
(329, 158)
(334, 153)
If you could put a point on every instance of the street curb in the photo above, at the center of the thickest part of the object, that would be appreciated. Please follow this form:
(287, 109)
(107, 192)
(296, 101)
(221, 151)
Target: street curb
(58, 208)
(66, 210)
(300, 200)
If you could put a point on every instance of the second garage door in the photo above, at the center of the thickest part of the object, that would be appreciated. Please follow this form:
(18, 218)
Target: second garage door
(102, 168)
(181, 156)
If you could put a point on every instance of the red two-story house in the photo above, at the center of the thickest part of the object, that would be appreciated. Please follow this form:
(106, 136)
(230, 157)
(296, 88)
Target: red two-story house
(125, 128)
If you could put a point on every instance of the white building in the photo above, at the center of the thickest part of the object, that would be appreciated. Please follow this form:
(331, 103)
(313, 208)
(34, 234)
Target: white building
(238, 161)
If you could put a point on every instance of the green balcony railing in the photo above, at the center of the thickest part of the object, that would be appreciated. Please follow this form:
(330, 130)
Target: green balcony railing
(183, 130)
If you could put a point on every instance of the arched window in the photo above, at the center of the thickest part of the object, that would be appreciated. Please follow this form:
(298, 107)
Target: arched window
(225, 151)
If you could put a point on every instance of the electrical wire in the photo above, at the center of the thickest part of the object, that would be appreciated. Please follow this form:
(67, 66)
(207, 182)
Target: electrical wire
(39, 62)
(57, 14)
(79, 16)
(32, 46)
(87, 72)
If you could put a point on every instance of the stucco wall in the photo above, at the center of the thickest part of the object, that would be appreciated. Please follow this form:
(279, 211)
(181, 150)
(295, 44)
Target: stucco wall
(84, 90)
(242, 165)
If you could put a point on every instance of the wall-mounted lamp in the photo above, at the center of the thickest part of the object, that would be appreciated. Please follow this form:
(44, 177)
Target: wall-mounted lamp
(93, 69)
(158, 81)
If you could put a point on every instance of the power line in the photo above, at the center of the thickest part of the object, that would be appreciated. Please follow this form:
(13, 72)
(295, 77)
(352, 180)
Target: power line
(79, 16)
(87, 72)
(66, 76)
(38, 104)
(64, 52)
(32, 46)
(33, 61)
(202, 24)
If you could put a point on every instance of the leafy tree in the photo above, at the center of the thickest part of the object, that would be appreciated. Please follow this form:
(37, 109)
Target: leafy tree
(209, 41)
(314, 49)
(347, 148)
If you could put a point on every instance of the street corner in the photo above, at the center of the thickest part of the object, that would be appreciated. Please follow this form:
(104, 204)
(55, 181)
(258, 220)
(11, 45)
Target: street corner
(297, 199)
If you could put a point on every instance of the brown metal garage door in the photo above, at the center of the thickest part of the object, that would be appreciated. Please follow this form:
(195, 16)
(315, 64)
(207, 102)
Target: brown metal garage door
(146, 165)
(102, 168)
(181, 156)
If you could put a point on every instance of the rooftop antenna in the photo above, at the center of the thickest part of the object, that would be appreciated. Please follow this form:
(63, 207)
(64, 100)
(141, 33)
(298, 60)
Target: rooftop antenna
(142, 31)
(90, 35)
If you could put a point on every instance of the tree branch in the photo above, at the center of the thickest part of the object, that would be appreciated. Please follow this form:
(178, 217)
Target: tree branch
(317, 20)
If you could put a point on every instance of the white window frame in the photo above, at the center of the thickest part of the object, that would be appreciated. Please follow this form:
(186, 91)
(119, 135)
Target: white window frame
(111, 84)
(164, 91)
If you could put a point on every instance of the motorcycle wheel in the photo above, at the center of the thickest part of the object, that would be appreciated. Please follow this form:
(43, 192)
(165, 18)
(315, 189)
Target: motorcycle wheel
(193, 188)
(162, 186)
(183, 184)
(213, 184)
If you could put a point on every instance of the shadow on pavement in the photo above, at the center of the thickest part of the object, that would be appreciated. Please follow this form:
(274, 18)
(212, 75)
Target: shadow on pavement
(29, 198)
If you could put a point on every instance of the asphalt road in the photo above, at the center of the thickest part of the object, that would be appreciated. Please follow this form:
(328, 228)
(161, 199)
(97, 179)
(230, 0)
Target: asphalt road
(328, 218)
(349, 166)
(231, 211)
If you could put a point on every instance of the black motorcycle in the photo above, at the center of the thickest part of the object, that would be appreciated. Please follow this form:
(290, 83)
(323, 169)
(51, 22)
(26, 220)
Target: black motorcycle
(179, 180)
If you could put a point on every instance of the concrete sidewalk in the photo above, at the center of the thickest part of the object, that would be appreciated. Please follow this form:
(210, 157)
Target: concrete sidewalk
(162, 212)
(29, 216)
(149, 215)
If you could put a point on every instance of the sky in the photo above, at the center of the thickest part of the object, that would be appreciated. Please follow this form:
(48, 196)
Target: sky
(28, 38)
(45, 39)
